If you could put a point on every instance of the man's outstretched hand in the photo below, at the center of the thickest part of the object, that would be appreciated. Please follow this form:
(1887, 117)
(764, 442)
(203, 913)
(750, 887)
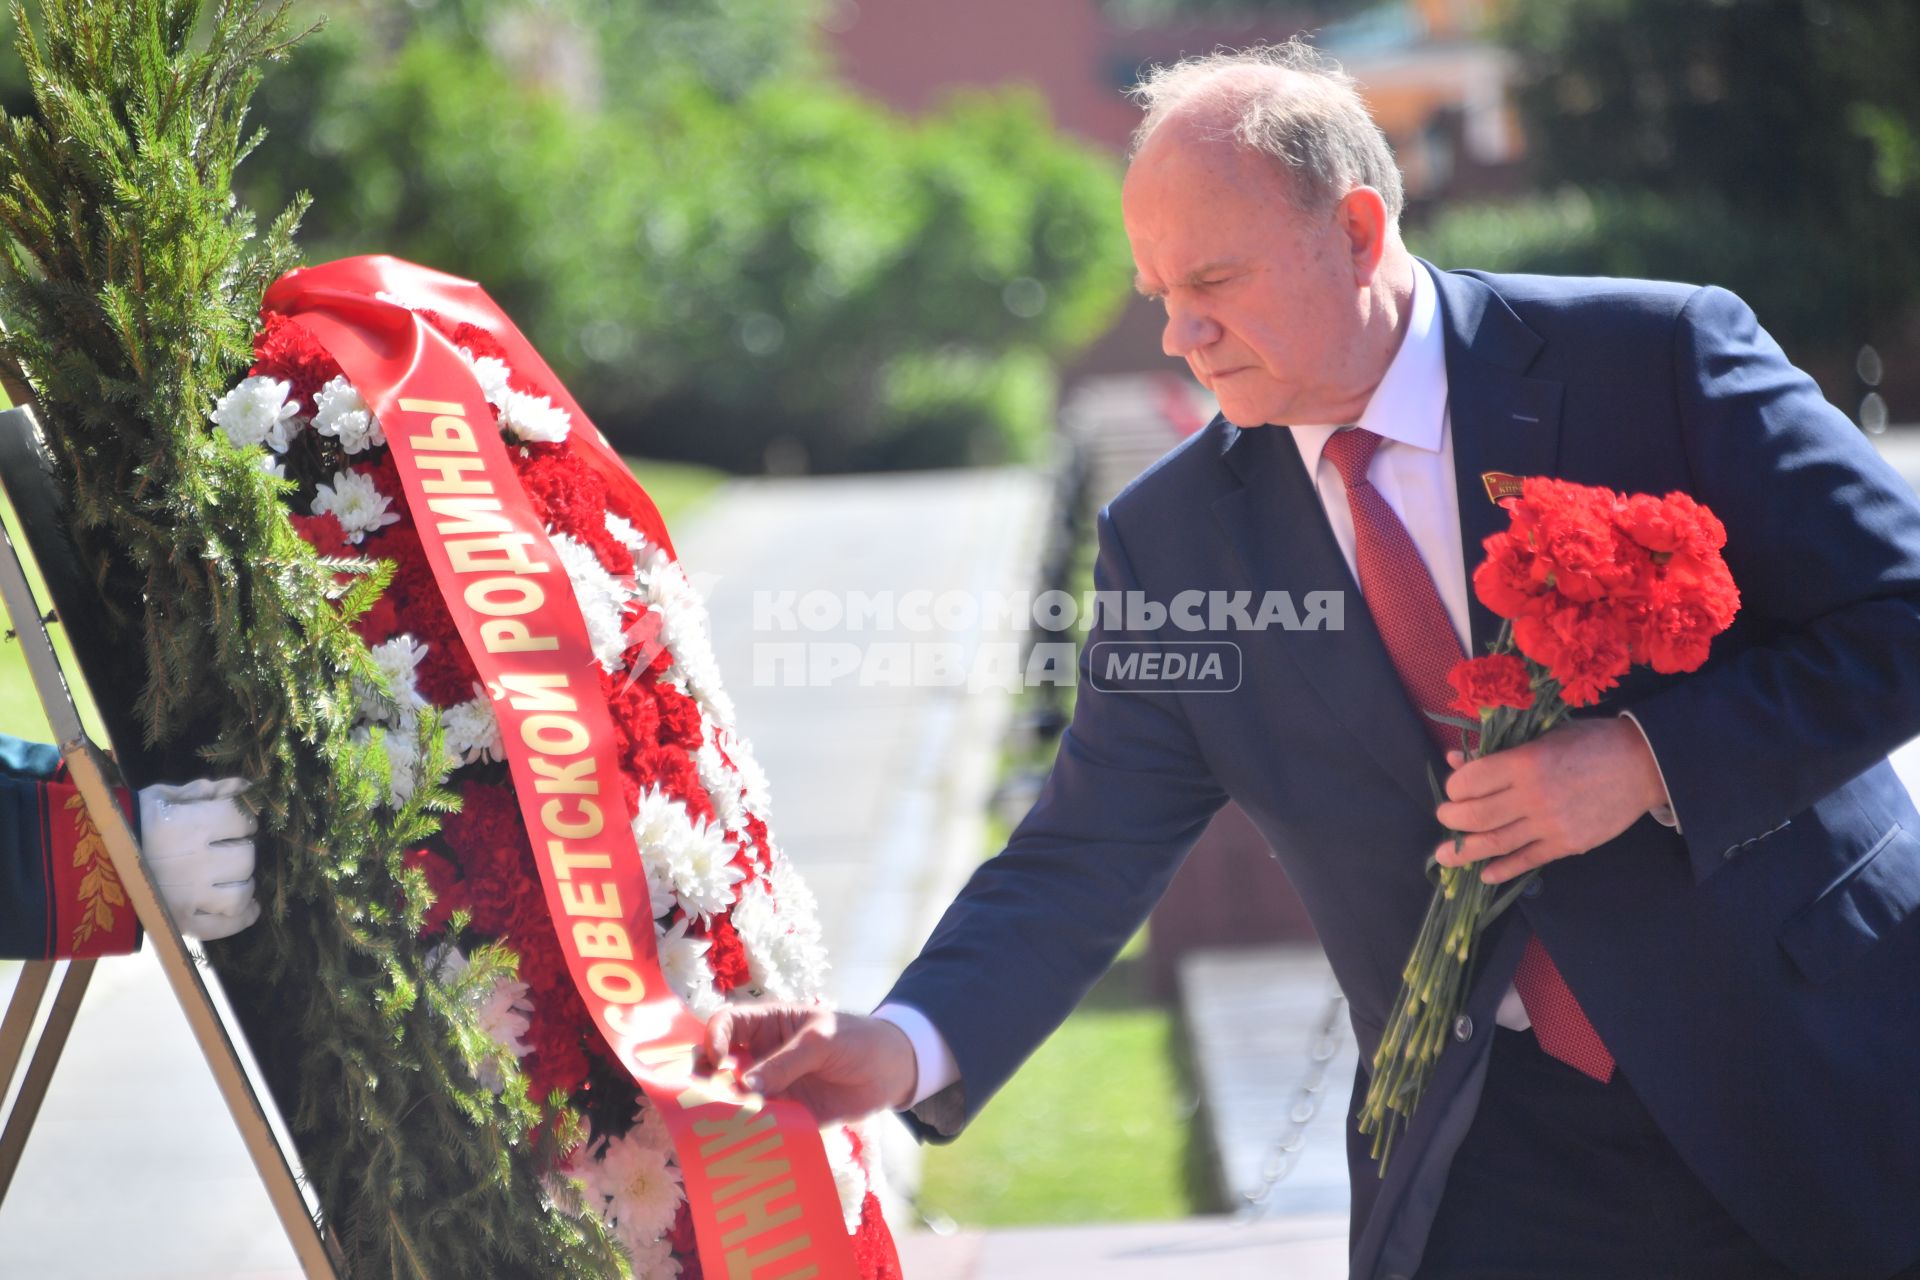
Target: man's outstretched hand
(839, 1066)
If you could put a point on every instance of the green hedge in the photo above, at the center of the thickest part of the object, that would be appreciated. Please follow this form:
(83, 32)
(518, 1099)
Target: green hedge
(714, 274)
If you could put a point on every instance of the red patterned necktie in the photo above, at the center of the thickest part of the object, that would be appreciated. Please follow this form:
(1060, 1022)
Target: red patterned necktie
(1420, 639)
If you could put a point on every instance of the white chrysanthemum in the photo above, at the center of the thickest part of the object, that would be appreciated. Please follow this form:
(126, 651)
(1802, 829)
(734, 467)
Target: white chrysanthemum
(653, 1261)
(849, 1177)
(683, 960)
(798, 957)
(533, 419)
(356, 502)
(665, 586)
(504, 1011)
(273, 465)
(658, 818)
(490, 373)
(506, 1014)
(756, 918)
(722, 786)
(635, 1186)
(623, 531)
(257, 411)
(402, 764)
(703, 870)
(650, 1127)
(602, 598)
(753, 779)
(339, 412)
(473, 731)
(666, 589)
(659, 824)
(661, 897)
(397, 659)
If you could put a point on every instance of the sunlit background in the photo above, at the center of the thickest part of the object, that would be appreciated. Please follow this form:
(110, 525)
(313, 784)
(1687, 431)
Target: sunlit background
(815, 243)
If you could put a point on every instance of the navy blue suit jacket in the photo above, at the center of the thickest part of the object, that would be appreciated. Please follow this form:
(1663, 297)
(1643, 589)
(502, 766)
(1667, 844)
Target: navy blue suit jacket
(1756, 975)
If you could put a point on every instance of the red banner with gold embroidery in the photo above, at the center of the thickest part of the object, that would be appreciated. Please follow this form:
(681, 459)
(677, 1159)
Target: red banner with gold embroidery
(89, 915)
(761, 1194)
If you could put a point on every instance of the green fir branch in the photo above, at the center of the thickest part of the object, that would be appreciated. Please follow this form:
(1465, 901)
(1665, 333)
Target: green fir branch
(130, 283)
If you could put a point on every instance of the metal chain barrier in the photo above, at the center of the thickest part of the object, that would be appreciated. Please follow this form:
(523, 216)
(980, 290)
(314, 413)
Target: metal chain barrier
(1322, 1047)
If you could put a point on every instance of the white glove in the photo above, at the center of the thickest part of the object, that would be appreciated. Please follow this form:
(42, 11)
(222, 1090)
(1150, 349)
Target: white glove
(198, 841)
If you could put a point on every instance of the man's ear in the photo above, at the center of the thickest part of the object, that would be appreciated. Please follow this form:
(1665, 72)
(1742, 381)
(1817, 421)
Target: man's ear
(1361, 216)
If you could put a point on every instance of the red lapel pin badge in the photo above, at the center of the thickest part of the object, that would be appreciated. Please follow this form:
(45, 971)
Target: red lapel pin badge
(1500, 485)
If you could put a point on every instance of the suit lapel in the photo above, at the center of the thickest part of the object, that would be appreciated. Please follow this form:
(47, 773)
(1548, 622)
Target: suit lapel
(1279, 535)
(1503, 421)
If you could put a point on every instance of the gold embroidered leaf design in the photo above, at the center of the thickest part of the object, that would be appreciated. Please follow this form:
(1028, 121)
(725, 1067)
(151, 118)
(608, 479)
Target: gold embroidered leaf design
(100, 888)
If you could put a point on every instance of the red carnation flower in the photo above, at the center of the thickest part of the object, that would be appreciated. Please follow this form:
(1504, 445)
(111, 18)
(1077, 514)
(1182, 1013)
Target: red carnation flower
(325, 535)
(1673, 523)
(285, 349)
(679, 718)
(636, 716)
(443, 878)
(1575, 547)
(1504, 580)
(557, 1063)
(380, 622)
(685, 1247)
(640, 626)
(1583, 647)
(673, 772)
(1678, 637)
(873, 1248)
(481, 345)
(489, 841)
(1497, 680)
(564, 491)
(726, 956)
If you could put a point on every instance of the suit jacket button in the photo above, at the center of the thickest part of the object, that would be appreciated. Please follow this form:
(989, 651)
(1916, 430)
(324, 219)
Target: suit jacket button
(1534, 888)
(1463, 1028)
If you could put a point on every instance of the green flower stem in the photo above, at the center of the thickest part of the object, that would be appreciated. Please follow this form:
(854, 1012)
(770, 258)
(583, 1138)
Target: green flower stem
(1439, 968)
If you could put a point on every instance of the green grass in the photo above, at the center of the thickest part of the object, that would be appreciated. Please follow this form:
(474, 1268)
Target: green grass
(1098, 1126)
(20, 711)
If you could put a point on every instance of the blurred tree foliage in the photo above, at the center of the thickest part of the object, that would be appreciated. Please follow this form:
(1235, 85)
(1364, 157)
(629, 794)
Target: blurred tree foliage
(1772, 146)
(1146, 13)
(726, 256)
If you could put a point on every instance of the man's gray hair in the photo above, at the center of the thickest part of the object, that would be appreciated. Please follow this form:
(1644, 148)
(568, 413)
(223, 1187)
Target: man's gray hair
(1288, 101)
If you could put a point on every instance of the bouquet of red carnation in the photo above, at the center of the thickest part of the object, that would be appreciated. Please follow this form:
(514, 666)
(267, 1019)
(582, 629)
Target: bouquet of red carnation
(1590, 582)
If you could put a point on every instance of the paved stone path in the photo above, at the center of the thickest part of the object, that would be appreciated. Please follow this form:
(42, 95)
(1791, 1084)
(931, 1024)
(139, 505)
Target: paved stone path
(879, 780)
(1303, 1247)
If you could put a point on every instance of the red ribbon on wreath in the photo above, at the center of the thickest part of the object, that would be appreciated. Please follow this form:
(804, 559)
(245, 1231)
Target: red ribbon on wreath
(761, 1195)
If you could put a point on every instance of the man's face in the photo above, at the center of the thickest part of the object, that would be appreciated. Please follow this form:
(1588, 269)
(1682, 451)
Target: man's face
(1264, 303)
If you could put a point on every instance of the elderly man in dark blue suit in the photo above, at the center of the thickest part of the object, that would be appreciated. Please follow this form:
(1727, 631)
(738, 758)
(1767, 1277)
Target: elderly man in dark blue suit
(1689, 1052)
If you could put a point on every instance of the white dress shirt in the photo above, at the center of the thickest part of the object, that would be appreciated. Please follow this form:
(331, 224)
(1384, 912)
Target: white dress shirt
(1413, 471)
